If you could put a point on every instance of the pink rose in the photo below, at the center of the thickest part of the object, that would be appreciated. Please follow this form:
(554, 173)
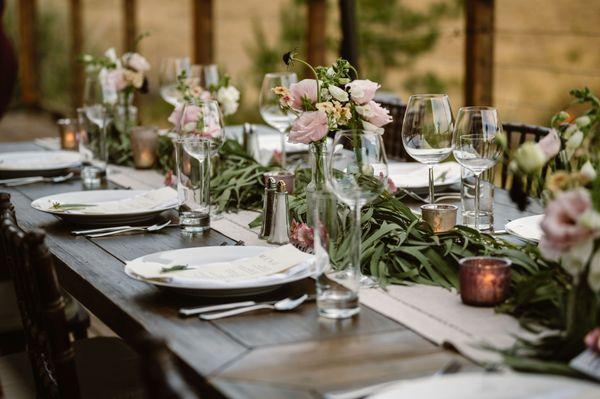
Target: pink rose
(550, 145)
(136, 61)
(374, 113)
(183, 115)
(592, 339)
(306, 88)
(362, 91)
(301, 234)
(309, 127)
(561, 224)
(115, 79)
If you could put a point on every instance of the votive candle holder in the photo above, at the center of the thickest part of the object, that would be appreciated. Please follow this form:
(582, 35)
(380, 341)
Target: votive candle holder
(68, 134)
(484, 280)
(441, 217)
(144, 144)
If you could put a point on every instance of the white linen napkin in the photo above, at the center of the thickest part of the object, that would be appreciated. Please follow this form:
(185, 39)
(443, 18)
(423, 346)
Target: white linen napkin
(416, 175)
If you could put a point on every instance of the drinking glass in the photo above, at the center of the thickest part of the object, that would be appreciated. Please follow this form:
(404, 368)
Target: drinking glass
(337, 298)
(358, 170)
(270, 110)
(475, 144)
(203, 118)
(486, 198)
(93, 150)
(192, 156)
(170, 69)
(427, 131)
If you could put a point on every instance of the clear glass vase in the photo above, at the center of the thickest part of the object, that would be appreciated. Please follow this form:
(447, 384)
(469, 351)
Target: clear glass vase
(125, 114)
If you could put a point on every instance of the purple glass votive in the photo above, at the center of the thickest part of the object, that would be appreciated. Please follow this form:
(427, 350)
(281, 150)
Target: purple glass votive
(484, 280)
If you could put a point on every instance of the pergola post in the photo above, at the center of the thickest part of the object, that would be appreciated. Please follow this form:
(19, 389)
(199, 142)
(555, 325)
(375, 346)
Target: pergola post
(315, 38)
(349, 45)
(479, 52)
(129, 25)
(203, 26)
(28, 66)
(75, 16)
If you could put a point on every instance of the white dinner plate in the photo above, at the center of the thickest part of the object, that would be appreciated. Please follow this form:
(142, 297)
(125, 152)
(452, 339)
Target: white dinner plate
(37, 163)
(527, 228)
(44, 204)
(199, 256)
(491, 386)
(414, 176)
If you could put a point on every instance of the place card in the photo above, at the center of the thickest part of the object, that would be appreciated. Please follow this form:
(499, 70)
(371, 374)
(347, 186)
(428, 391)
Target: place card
(268, 263)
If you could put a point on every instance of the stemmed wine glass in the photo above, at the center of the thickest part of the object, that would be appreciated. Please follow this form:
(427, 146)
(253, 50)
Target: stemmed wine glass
(358, 170)
(97, 107)
(170, 68)
(476, 143)
(427, 131)
(205, 76)
(270, 110)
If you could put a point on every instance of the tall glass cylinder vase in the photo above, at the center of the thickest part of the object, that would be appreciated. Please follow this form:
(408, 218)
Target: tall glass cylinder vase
(318, 195)
(125, 117)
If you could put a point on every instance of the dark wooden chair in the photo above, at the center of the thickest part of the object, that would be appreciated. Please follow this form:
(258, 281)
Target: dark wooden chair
(54, 366)
(162, 376)
(392, 137)
(517, 134)
(12, 338)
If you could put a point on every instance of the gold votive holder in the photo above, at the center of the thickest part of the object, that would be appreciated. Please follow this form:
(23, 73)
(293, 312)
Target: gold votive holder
(68, 134)
(285, 175)
(441, 217)
(484, 280)
(144, 144)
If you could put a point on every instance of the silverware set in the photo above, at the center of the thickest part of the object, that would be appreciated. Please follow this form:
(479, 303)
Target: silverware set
(438, 197)
(111, 231)
(21, 181)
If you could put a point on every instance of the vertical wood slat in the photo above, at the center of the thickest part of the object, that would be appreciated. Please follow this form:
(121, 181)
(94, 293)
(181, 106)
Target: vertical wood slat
(479, 52)
(129, 25)
(203, 31)
(76, 19)
(349, 45)
(316, 27)
(28, 65)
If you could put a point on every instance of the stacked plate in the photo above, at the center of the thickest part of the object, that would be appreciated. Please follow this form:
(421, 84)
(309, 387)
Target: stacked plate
(37, 163)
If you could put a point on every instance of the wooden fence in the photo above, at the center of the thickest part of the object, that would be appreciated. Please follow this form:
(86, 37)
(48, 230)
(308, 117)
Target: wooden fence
(479, 42)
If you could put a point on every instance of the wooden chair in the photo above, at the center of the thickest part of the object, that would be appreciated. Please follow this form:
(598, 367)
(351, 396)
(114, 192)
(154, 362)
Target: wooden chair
(517, 134)
(11, 330)
(53, 366)
(162, 375)
(392, 137)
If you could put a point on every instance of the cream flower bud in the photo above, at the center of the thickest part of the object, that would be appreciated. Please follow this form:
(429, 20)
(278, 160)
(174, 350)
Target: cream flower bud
(338, 93)
(530, 158)
(588, 170)
(583, 121)
(594, 272)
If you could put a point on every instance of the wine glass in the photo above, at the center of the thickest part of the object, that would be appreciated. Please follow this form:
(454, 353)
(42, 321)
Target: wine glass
(476, 145)
(427, 131)
(205, 76)
(270, 110)
(170, 69)
(358, 170)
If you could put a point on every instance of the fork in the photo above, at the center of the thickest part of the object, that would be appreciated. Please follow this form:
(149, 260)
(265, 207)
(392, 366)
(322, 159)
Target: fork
(20, 181)
(440, 196)
(153, 228)
(284, 305)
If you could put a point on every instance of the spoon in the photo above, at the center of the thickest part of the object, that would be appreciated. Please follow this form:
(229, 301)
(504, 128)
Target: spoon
(284, 305)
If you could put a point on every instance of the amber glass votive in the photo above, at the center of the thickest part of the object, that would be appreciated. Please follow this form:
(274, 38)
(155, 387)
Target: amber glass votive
(441, 217)
(484, 280)
(285, 175)
(68, 134)
(144, 143)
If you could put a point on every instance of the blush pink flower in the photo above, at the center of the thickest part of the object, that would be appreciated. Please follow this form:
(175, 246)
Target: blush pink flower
(115, 79)
(184, 115)
(309, 127)
(362, 91)
(306, 88)
(550, 145)
(592, 340)
(374, 113)
(561, 225)
(301, 234)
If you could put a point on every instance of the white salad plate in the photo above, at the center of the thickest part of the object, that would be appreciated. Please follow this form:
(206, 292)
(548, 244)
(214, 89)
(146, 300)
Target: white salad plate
(142, 214)
(527, 228)
(199, 256)
(491, 386)
(414, 176)
(37, 163)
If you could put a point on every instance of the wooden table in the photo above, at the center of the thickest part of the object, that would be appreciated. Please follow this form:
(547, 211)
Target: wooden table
(259, 355)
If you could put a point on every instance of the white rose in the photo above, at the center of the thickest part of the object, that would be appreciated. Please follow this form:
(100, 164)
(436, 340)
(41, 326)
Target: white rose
(576, 258)
(137, 62)
(588, 170)
(338, 93)
(372, 128)
(573, 143)
(594, 272)
(228, 97)
(583, 121)
(530, 157)
(364, 110)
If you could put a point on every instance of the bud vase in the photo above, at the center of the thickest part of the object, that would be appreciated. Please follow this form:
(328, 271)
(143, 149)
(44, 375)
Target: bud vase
(318, 185)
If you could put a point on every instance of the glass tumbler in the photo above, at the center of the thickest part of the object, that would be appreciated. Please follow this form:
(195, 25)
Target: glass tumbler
(93, 150)
(193, 155)
(486, 198)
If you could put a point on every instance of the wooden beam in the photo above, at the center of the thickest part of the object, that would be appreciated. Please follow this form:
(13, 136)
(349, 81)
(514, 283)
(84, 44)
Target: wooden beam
(315, 39)
(28, 61)
(76, 19)
(479, 52)
(129, 25)
(349, 45)
(203, 31)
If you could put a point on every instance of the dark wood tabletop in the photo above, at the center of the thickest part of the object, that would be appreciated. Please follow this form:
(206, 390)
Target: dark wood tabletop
(259, 355)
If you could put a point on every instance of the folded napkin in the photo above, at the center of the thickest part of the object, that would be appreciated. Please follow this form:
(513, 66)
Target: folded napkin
(270, 266)
(161, 198)
(416, 175)
(39, 160)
